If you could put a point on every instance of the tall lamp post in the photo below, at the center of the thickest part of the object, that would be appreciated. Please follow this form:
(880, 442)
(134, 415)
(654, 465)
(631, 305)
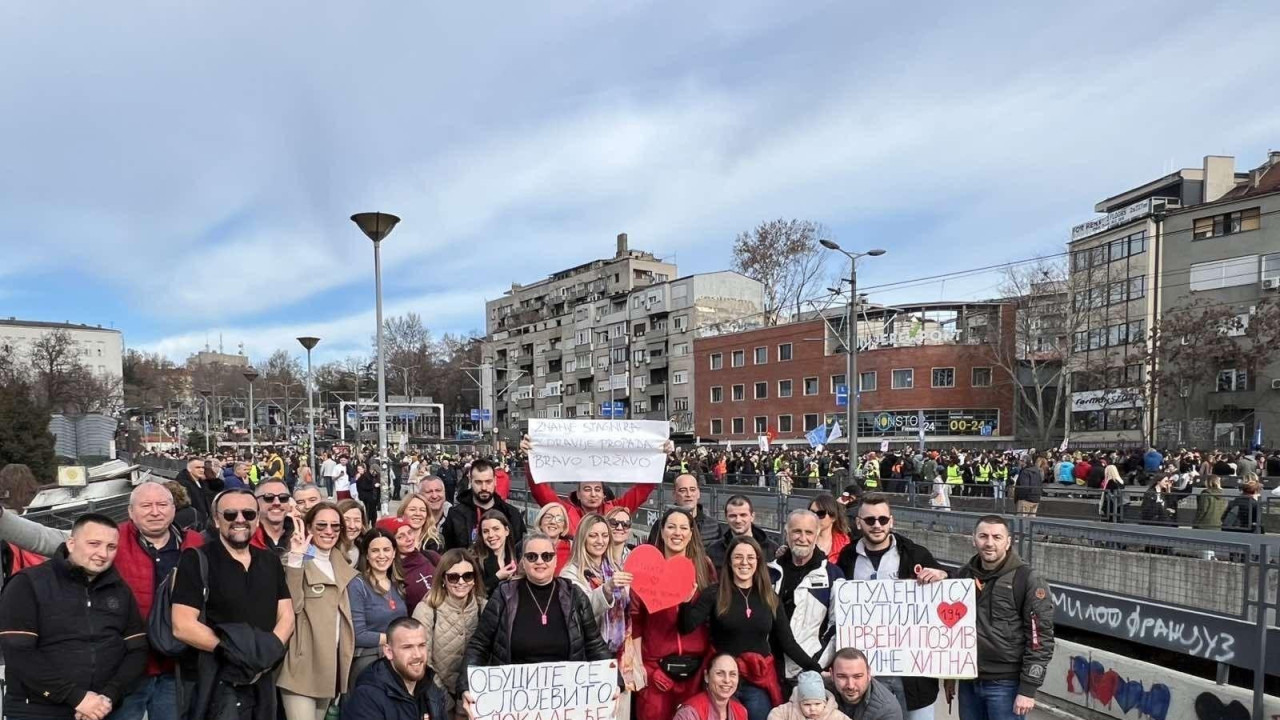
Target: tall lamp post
(377, 225)
(309, 343)
(250, 374)
(851, 349)
(205, 394)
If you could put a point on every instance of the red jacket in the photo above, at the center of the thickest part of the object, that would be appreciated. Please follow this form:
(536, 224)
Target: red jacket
(631, 500)
(701, 704)
(138, 570)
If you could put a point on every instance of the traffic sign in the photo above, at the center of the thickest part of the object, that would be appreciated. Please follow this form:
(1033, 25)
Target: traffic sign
(613, 409)
(842, 395)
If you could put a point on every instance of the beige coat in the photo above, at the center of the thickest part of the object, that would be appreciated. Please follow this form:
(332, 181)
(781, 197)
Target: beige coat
(449, 629)
(313, 666)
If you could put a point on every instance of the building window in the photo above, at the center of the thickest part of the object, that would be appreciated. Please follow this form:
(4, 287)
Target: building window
(836, 381)
(680, 403)
(981, 377)
(739, 393)
(784, 423)
(761, 356)
(944, 377)
(680, 377)
(1232, 380)
(1227, 224)
(641, 406)
(811, 386)
(1231, 272)
(717, 426)
(739, 358)
(867, 381)
(784, 388)
(784, 352)
(717, 360)
(680, 349)
(1271, 266)
(717, 394)
(903, 379)
(761, 424)
(739, 426)
(762, 391)
(680, 323)
(810, 421)
(619, 355)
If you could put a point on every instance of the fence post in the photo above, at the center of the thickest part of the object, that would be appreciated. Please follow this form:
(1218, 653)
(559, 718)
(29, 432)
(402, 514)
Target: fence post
(1260, 670)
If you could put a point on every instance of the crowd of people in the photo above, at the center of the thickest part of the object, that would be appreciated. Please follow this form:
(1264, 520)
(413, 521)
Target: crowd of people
(278, 599)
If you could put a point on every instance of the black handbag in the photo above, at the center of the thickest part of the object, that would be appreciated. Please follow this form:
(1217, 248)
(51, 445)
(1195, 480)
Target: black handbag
(680, 667)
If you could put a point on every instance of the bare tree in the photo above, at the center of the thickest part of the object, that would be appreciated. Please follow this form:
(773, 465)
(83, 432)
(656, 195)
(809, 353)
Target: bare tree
(150, 380)
(784, 255)
(63, 383)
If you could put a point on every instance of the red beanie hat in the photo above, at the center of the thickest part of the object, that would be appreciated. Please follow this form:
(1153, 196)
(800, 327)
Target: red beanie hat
(392, 524)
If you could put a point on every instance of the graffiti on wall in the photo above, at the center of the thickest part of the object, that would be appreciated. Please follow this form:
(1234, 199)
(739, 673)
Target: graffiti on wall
(1148, 624)
(1210, 707)
(1108, 687)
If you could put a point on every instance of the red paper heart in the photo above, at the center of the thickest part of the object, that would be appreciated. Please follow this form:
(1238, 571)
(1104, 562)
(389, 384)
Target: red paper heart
(661, 582)
(951, 613)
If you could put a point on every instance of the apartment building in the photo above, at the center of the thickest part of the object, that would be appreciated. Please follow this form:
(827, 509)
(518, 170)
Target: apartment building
(99, 349)
(609, 338)
(1115, 281)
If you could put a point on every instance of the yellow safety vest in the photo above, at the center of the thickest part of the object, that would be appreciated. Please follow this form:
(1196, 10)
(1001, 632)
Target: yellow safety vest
(984, 473)
(953, 475)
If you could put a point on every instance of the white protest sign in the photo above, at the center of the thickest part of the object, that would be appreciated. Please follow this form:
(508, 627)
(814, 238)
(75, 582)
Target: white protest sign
(545, 691)
(909, 629)
(577, 451)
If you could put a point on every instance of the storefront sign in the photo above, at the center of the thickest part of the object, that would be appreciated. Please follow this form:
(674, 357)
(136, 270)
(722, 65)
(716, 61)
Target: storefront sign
(1123, 216)
(1113, 399)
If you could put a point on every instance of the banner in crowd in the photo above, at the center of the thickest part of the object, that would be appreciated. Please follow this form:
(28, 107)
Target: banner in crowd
(545, 691)
(906, 628)
(577, 451)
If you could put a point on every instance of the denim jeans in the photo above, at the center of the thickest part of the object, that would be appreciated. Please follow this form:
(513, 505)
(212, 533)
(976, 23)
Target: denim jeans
(755, 700)
(988, 699)
(156, 697)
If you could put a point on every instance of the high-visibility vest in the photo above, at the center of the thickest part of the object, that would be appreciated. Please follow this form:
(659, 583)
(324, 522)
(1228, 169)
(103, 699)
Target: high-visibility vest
(1001, 474)
(953, 475)
(984, 473)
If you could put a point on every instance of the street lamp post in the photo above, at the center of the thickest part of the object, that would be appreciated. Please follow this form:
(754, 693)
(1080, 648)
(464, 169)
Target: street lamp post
(205, 394)
(376, 226)
(851, 348)
(309, 343)
(250, 374)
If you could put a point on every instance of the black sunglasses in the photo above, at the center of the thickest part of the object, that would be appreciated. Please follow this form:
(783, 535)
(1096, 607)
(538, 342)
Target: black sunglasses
(459, 578)
(820, 513)
(231, 515)
(876, 519)
(281, 498)
(533, 557)
(620, 524)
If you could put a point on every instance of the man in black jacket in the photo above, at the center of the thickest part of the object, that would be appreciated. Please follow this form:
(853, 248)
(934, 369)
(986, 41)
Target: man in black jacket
(71, 630)
(464, 517)
(200, 489)
(398, 685)
(1026, 494)
(740, 517)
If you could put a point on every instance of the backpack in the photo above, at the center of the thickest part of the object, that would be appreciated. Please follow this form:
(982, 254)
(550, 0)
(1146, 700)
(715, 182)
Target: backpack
(160, 622)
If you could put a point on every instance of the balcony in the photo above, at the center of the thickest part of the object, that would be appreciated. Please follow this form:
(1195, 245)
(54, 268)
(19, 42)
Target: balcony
(657, 389)
(1236, 400)
(525, 403)
(655, 363)
(552, 355)
(583, 373)
(655, 415)
(552, 377)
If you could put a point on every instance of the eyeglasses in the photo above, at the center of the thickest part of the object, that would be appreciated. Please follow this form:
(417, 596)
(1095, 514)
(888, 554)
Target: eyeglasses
(820, 513)
(327, 526)
(269, 499)
(231, 515)
(876, 519)
(533, 557)
(620, 524)
(460, 578)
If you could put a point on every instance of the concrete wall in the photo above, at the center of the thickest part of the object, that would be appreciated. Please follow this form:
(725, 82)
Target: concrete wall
(1128, 689)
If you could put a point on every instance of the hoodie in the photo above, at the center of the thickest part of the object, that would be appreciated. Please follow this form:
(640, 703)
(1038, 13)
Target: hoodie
(791, 709)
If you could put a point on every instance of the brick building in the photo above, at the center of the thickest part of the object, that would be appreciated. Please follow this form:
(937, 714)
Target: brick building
(930, 362)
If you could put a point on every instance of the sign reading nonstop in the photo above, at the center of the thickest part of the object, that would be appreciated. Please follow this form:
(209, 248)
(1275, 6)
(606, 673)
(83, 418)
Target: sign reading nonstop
(545, 691)
(907, 628)
(576, 451)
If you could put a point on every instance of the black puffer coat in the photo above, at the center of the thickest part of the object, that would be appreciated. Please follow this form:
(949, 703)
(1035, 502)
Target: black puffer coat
(490, 644)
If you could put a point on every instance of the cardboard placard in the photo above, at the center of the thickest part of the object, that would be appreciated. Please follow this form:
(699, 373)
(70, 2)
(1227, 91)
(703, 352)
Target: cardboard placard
(907, 628)
(660, 582)
(545, 691)
(577, 451)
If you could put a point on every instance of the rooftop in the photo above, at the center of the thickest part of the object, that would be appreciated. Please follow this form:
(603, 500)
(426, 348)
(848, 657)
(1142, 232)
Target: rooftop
(14, 322)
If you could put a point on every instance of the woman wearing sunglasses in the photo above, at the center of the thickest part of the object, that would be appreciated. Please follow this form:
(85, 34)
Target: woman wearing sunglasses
(318, 661)
(833, 526)
(620, 544)
(376, 596)
(495, 550)
(450, 614)
(354, 526)
(672, 660)
(553, 521)
(747, 620)
(535, 618)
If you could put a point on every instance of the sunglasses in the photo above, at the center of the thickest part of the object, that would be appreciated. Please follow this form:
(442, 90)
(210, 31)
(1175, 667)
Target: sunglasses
(533, 557)
(327, 526)
(270, 499)
(231, 515)
(460, 578)
(820, 513)
(876, 520)
(620, 524)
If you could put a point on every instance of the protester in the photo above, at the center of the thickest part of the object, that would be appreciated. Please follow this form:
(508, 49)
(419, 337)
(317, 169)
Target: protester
(689, 498)
(809, 701)
(306, 497)
(462, 523)
(588, 497)
(1013, 654)
(414, 510)
(858, 695)
(399, 685)
(620, 543)
(450, 613)
(1243, 512)
(803, 577)
(672, 659)
(746, 620)
(553, 521)
(354, 525)
(432, 489)
(833, 530)
(1027, 491)
(76, 627)
(418, 567)
(341, 481)
(1159, 507)
(200, 490)
(1211, 505)
(376, 597)
(276, 518)
(535, 618)
(717, 701)
(740, 518)
(495, 550)
(605, 584)
(233, 590)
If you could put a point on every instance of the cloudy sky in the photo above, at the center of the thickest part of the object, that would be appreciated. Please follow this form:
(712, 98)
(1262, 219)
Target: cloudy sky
(183, 171)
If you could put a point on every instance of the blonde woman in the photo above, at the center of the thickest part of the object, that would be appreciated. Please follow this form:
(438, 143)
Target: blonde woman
(416, 511)
(450, 613)
(553, 521)
(605, 584)
(619, 519)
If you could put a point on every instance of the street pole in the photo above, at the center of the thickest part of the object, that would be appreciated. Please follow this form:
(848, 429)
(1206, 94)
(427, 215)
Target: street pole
(376, 226)
(251, 375)
(206, 393)
(308, 343)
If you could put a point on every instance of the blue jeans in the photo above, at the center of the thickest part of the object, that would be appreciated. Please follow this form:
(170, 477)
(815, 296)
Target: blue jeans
(156, 697)
(755, 700)
(988, 699)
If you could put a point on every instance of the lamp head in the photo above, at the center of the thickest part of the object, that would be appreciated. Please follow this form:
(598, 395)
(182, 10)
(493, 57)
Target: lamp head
(250, 374)
(829, 244)
(309, 342)
(875, 253)
(206, 393)
(376, 225)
